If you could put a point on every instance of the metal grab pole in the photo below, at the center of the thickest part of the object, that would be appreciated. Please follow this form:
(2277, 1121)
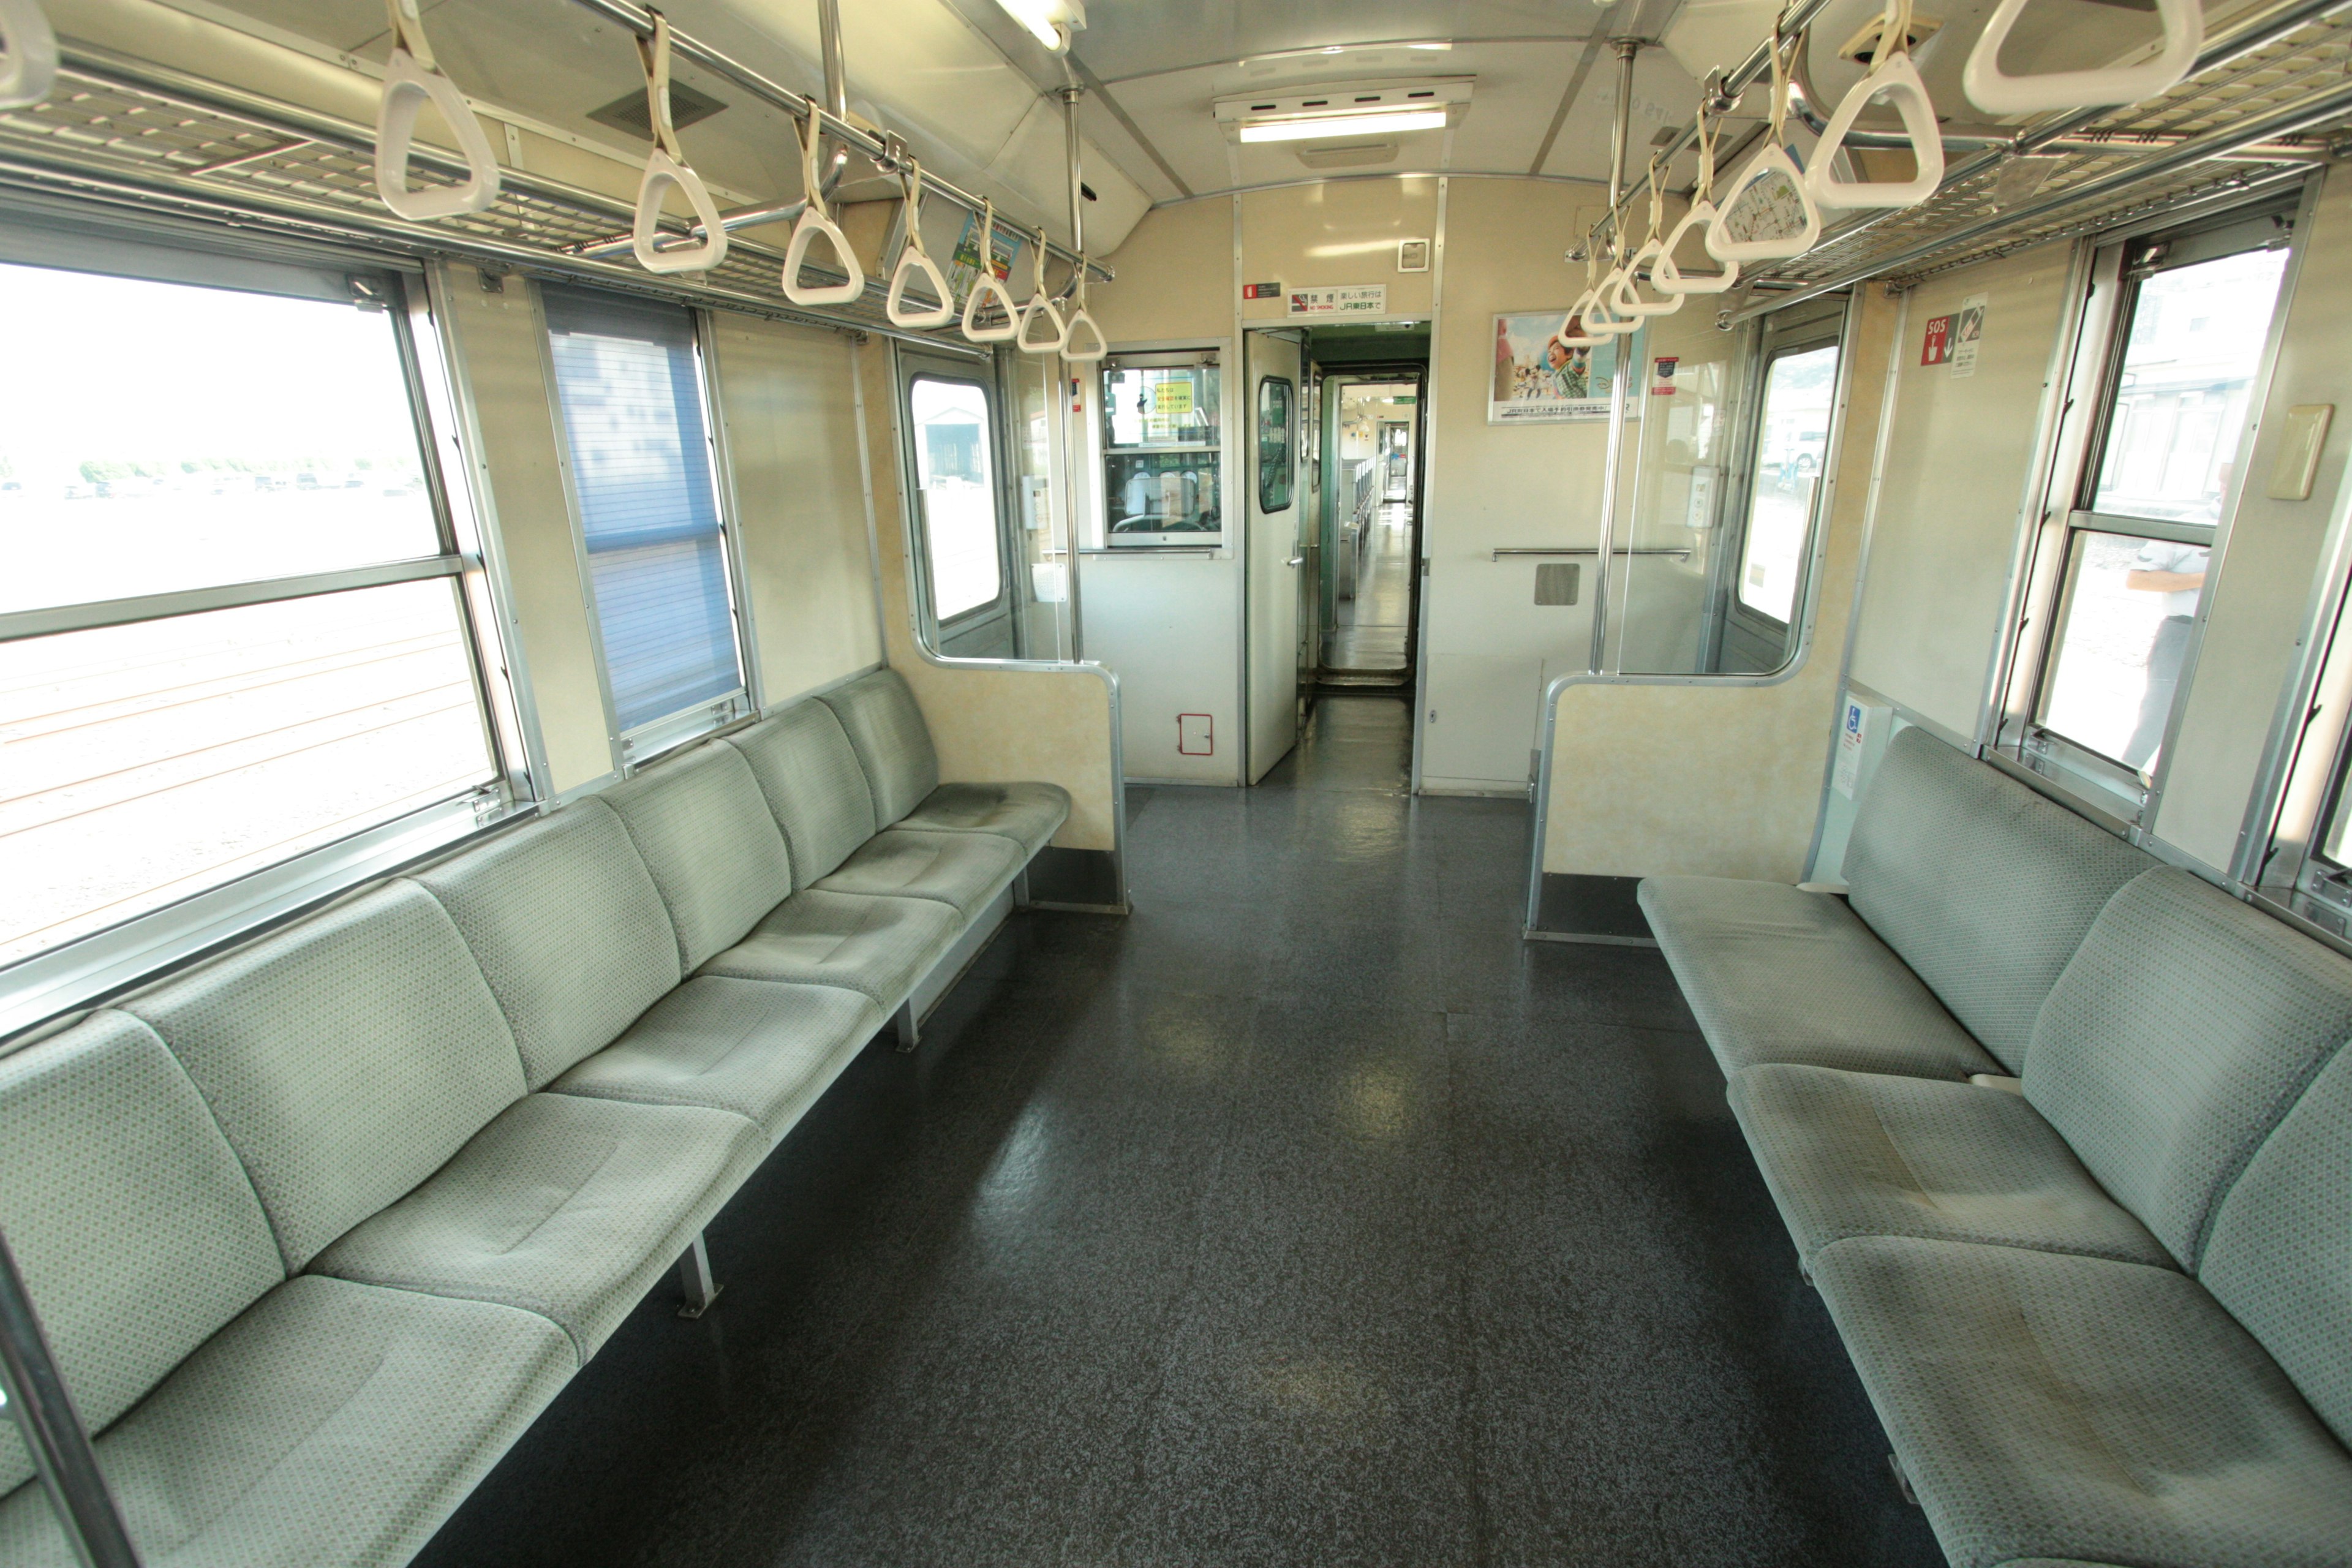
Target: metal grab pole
(53, 1431)
(1627, 49)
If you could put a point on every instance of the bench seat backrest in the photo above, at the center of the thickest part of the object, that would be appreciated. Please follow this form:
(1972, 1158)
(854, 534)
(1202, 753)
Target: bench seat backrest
(886, 726)
(2182, 1032)
(814, 784)
(347, 1058)
(712, 845)
(569, 928)
(1981, 886)
(132, 1220)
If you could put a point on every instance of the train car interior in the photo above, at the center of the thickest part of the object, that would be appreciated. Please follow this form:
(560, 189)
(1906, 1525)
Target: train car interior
(879, 783)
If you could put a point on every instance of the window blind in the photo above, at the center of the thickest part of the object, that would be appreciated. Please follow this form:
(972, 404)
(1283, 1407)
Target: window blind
(627, 378)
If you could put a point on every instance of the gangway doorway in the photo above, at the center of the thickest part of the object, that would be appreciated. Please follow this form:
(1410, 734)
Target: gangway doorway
(1373, 438)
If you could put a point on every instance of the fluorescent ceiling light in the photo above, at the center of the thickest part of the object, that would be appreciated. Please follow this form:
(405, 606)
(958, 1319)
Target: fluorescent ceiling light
(1050, 22)
(1306, 128)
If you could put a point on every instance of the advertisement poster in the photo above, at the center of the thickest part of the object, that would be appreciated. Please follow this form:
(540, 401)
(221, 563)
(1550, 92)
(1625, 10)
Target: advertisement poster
(963, 263)
(1540, 381)
(1968, 332)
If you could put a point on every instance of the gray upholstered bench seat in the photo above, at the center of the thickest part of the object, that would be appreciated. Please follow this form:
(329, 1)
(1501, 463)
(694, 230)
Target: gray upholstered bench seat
(2184, 1027)
(1966, 893)
(246, 1420)
(886, 730)
(319, 1226)
(1027, 814)
(1775, 975)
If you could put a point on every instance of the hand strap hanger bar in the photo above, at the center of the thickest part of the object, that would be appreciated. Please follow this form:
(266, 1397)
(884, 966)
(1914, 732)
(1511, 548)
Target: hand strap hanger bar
(669, 167)
(410, 81)
(641, 20)
(28, 54)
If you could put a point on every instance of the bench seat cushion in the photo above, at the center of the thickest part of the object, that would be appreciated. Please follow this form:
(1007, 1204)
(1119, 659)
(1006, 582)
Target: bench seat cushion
(1775, 975)
(332, 1424)
(565, 1205)
(760, 1050)
(2080, 1408)
(1876, 1155)
(1028, 813)
(879, 946)
(962, 871)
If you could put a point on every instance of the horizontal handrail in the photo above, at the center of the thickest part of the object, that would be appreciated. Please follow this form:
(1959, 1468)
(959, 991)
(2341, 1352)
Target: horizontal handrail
(887, 152)
(1586, 550)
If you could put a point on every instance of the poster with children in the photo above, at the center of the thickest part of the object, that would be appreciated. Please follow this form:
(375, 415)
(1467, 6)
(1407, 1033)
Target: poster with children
(1538, 380)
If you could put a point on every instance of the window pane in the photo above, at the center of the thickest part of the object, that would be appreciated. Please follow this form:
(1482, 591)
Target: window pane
(956, 471)
(179, 437)
(1792, 442)
(1273, 444)
(2129, 603)
(2180, 395)
(629, 380)
(144, 764)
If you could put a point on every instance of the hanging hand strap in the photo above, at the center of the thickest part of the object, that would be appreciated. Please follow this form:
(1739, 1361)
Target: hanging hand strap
(28, 54)
(815, 222)
(1705, 185)
(1082, 317)
(1893, 34)
(1040, 305)
(988, 288)
(913, 258)
(1781, 84)
(411, 81)
(669, 167)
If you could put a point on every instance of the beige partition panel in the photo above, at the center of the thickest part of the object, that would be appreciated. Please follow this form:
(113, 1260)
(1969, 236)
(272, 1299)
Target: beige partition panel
(787, 404)
(991, 724)
(1719, 780)
(1932, 612)
(496, 340)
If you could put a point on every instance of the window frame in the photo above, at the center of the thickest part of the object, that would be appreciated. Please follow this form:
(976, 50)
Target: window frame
(1267, 384)
(2104, 310)
(86, 969)
(634, 747)
(995, 435)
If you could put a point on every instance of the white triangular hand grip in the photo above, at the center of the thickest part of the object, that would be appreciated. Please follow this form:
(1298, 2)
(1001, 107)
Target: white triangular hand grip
(1625, 302)
(661, 170)
(1896, 80)
(812, 224)
(1668, 279)
(1777, 220)
(1603, 318)
(407, 87)
(1040, 306)
(912, 261)
(1084, 318)
(1567, 335)
(1989, 90)
(986, 290)
(28, 54)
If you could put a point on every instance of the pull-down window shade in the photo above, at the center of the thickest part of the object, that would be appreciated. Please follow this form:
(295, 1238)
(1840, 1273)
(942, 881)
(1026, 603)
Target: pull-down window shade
(629, 382)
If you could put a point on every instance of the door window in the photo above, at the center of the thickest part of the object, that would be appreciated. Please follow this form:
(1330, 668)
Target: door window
(1277, 443)
(955, 476)
(1792, 441)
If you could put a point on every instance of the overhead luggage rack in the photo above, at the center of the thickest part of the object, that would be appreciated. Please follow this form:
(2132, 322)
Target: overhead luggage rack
(2274, 97)
(146, 136)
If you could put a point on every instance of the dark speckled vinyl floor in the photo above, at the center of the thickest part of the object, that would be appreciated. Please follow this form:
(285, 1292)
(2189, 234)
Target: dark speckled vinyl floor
(1307, 1216)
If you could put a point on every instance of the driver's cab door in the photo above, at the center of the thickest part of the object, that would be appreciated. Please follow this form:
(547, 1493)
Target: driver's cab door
(963, 555)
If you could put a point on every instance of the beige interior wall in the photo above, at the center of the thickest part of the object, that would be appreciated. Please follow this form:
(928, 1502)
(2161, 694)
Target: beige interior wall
(1947, 527)
(1175, 278)
(496, 339)
(787, 402)
(1337, 232)
(990, 725)
(2264, 579)
(1721, 781)
(1489, 653)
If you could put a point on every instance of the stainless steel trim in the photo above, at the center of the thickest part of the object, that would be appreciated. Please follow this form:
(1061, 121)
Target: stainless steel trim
(730, 513)
(1502, 551)
(20, 624)
(2199, 534)
(53, 1431)
(1428, 470)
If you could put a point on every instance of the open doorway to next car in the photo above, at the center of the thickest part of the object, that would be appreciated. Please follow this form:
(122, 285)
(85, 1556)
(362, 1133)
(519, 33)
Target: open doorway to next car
(1372, 435)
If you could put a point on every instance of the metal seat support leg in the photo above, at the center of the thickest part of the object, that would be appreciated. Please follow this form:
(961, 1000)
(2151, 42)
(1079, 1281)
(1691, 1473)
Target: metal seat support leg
(694, 1281)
